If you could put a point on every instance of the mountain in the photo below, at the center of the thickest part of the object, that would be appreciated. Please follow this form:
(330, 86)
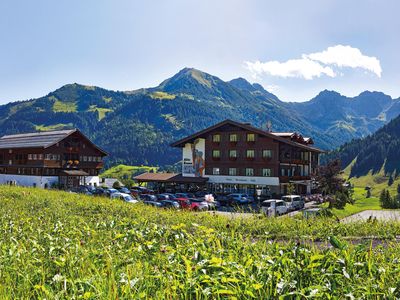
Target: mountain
(379, 152)
(347, 118)
(136, 127)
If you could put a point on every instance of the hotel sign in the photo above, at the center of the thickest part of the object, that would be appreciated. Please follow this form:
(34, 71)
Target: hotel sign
(254, 180)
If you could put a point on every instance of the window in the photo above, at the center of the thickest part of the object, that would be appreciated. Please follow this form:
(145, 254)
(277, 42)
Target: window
(85, 158)
(267, 153)
(89, 158)
(233, 153)
(216, 154)
(233, 137)
(34, 156)
(216, 138)
(232, 171)
(10, 162)
(249, 172)
(266, 172)
(250, 153)
(40, 156)
(251, 137)
(29, 156)
(215, 171)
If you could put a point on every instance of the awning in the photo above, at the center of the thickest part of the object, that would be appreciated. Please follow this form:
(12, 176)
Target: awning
(73, 173)
(169, 178)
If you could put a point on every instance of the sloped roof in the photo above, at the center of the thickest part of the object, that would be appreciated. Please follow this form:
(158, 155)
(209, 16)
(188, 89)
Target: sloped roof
(34, 140)
(169, 177)
(43, 139)
(246, 126)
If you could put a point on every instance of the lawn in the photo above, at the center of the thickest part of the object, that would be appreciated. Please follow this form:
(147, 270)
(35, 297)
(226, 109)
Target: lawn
(125, 173)
(56, 245)
(361, 203)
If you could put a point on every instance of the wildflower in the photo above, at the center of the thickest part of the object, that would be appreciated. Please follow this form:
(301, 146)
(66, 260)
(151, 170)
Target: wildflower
(58, 278)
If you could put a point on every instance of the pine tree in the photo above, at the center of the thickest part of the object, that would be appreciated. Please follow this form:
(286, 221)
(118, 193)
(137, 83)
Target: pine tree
(382, 199)
(390, 182)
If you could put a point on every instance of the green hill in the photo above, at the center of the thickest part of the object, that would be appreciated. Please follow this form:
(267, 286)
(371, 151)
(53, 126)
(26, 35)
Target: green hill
(371, 161)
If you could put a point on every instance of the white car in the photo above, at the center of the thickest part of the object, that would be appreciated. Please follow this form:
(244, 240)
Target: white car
(293, 202)
(124, 197)
(267, 207)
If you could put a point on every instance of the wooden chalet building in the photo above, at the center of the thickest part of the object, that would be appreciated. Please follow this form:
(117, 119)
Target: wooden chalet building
(64, 158)
(237, 157)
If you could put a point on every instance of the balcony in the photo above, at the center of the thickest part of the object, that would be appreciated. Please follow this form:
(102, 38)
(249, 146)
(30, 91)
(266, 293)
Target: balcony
(294, 161)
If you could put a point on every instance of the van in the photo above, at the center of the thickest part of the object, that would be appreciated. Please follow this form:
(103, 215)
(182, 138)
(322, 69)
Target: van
(267, 207)
(293, 202)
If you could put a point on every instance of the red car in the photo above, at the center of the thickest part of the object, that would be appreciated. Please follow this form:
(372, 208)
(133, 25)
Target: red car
(198, 204)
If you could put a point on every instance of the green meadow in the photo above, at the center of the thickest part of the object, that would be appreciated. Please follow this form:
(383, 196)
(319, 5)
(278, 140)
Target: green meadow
(57, 245)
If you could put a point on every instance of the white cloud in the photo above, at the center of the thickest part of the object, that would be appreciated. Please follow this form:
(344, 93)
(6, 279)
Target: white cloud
(318, 64)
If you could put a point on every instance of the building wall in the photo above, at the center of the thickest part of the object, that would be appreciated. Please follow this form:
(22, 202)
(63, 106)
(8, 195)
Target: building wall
(242, 145)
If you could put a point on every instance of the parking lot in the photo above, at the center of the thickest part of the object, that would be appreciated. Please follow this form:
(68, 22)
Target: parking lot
(235, 204)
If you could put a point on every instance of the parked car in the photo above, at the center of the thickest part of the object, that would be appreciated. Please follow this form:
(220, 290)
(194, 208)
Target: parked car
(148, 197)
(183, 202)
(185, 195)
(81, 190)
(141, 190)
(224, 200)
(170, 204)
(99, 192)
(125, 197)
(293, 202)
(161, 197)
(267, 207)
(198, 204)
(124, 190)
(240, 198)
(153, 203)
(111, 191)
(201, 194)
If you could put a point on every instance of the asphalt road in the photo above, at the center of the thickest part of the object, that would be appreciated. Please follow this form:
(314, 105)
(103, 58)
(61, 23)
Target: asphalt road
(381, 215)
(244, 214)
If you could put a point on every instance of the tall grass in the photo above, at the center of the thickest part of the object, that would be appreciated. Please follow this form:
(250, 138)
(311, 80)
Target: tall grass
(56, 245)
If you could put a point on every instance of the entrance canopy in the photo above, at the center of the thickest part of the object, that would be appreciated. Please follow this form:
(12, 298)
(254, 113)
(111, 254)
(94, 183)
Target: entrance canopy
(169, 178)
(73, 173)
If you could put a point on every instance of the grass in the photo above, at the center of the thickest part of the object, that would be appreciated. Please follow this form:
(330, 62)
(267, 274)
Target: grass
(124, 172)
(162, 96)
(101, 111)
(59, 126)
(172, 119)
(57, 245)
(60, 106)
(361, 203)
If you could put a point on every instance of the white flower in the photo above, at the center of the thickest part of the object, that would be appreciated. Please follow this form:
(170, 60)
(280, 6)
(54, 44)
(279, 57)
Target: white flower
(58, 278)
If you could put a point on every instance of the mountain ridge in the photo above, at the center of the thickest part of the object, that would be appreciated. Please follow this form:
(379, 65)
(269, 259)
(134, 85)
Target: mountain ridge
(136, 126)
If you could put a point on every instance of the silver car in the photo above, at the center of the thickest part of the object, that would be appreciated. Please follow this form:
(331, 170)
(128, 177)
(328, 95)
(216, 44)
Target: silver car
(293, 202)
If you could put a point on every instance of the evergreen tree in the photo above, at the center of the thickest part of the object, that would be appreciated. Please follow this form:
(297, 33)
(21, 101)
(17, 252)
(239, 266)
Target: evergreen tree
(390, 182)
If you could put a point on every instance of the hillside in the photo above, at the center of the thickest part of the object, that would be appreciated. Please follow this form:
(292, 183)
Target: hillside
(374, 158)
(136, 127)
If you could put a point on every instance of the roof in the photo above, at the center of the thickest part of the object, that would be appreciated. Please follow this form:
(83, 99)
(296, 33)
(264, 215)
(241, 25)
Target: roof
(182, 142)
(74, 173)
(283, 134)
(39, 139)
(34, 140)
(169, 177)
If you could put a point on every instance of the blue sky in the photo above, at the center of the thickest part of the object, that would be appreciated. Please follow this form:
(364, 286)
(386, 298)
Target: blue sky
(293, 48)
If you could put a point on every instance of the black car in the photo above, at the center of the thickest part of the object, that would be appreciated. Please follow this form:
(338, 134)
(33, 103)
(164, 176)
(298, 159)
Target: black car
(124, 190)
(161, 197)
